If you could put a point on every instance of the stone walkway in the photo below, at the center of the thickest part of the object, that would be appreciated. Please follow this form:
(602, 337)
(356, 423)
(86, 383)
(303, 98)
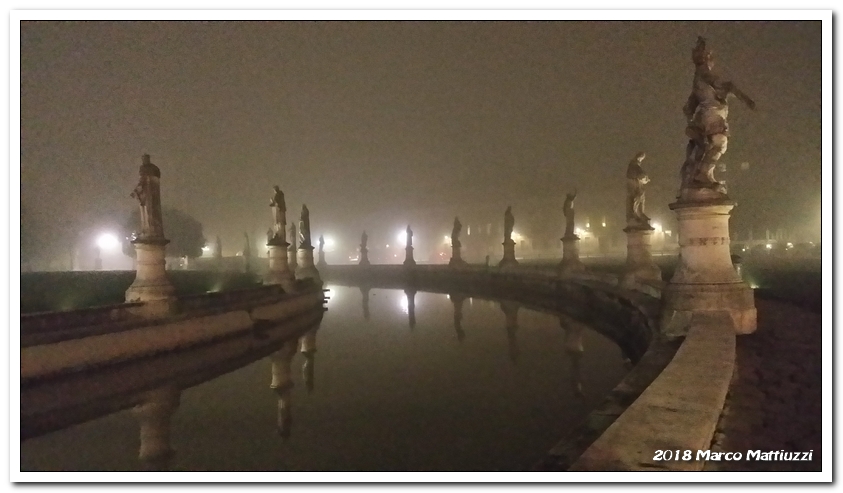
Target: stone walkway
(775, 399)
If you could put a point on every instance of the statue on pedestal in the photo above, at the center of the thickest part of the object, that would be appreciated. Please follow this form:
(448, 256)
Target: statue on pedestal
(148, 194)
(409, 237)
(364, 241)
(279, 211)
(568, 210)
(508, 224)
(321, 244)
(706, 111)
(304, 228)
(455, 233)
(636, 178)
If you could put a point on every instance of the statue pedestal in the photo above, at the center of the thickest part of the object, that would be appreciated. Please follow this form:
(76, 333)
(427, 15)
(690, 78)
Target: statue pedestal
(364, 257)
(571, 255)
(508, 259)
(408, 257)
(456, 257)
(154, 414)
(639, 261)
(321, 262)
(292, 262)
(151, 282)
(279, 267)
(705, 279)
(305, 268)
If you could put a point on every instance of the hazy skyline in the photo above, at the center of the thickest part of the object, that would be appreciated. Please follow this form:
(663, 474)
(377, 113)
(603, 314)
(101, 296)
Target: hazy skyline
(363, 121)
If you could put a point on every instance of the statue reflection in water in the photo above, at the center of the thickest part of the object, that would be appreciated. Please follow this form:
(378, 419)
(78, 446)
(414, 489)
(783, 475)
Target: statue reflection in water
(282, 384)
(510, 310)
(364, 291)
(574, 349)
(154, 412)
(458, 300)
(411, 306)
(307, 347)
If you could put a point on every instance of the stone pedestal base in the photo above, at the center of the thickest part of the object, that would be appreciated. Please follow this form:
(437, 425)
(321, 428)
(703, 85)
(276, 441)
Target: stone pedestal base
(571, 262)
(151, 282)
(408, 258)
(321, 262)
(639, 261)
(705, 279)
(292, 252)
(456, 257)
(508, 259)
(306, 269)
(279, 268)
(364, 257)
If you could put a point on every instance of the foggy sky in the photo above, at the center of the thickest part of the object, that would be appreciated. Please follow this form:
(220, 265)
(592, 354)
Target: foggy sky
(363, 121)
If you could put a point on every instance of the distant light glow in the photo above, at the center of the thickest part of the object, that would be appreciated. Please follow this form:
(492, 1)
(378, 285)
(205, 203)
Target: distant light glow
(402, 238)
(447, 239)
(769, 246)
(329, 242)
(657, 227)
(107, 241)
(404, 303)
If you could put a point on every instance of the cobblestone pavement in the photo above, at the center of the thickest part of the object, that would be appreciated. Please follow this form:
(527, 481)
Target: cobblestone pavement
(775, 400)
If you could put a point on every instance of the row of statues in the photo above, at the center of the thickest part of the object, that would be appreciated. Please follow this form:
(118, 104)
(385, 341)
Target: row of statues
(279, 217)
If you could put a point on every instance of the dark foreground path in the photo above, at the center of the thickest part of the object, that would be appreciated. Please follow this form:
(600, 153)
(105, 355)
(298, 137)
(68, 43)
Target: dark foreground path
(775, 401)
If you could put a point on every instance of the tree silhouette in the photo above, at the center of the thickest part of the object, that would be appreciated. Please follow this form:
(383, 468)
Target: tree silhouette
(182, 229)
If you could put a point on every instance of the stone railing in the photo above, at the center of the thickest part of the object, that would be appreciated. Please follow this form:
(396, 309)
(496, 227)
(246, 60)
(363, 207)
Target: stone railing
(672, 398)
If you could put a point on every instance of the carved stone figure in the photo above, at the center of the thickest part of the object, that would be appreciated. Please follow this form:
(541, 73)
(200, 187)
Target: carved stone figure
(409, 236)
(706, 111)
(148, 194)
(636, 178)
(293, 237)
(321, 244)
(568, 210)
(455, 233)
(364, 241)
(304, 228)
(279, 210)
(508, 224)
(247, 246)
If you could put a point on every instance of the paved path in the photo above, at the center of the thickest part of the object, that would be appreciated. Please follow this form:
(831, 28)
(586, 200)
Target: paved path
(775, 399)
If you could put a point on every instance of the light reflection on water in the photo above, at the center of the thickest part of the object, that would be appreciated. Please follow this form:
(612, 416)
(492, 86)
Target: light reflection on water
(413, 381)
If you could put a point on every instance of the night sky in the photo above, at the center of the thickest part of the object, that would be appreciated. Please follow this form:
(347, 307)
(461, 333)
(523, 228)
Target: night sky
(374, 124)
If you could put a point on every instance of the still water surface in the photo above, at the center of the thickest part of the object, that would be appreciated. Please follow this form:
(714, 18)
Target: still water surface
(399, 384)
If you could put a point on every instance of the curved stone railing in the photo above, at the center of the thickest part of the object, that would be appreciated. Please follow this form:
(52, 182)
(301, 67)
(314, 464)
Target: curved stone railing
(672, 398)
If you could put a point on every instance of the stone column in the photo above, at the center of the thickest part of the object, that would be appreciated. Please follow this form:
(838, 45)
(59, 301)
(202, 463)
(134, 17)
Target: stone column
(279, 268)
(364, 256)
(510, 311)
(705, 279)
(151, 283)
(154, 413)
(282, 384)
(639, 260)
(570, 262)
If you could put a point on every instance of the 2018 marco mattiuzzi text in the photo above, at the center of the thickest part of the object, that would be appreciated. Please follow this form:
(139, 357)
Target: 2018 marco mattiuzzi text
(757, 455)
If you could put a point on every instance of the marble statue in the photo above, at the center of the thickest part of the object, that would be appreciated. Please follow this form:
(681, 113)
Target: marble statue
(269, 236)
(293, 236)
(304, 228)
(364, 241)
(148, 194)
(636, 178)
(455, 233)
(321, 244)
(568, 210)
(279, 209)
(706, 112)
(409, 236)
(508, 224)
(247, 247)
(218, 248)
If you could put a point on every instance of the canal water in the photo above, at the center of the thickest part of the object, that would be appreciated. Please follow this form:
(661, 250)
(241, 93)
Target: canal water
(400, 382)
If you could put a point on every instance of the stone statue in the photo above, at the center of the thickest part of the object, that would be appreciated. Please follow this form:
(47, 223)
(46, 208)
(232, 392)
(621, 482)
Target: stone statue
(508, 224)
(636, 178)
(148, 194)
(293, 236)
(568, 210)
(455, 233)
(321, 244)
(304, 228)
(218, 248)
(706, 111)
(409, 236)
(269, 236)
(364, 241)
(279, 210)
(247, 247)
